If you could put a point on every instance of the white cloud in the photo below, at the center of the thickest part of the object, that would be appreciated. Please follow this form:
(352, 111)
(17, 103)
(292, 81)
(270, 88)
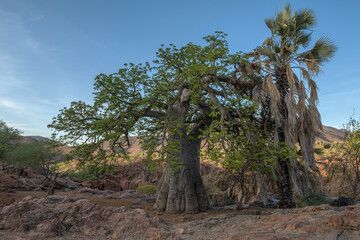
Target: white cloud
(18, 124)
(9, 104)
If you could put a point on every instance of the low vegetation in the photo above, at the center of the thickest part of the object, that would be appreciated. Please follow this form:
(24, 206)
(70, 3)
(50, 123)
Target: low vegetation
(147, 189)
(312, 199)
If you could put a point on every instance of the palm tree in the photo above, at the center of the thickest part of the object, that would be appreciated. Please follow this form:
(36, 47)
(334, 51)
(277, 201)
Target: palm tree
(287, 66)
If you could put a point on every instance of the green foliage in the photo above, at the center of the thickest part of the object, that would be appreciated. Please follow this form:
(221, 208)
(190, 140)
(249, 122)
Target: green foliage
(352, 155)
(8, 139)
(319, 151)
(344, 158)
(171, 99)
(84, 174)
(249, 149)
(146, 189)
(28, 154)
(43, 155)
(327, 145)
(313, 199)
(87, 172)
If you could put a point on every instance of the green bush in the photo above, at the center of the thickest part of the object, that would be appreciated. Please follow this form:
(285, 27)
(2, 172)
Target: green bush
(83, 174)
(312, 199)
(319, 151)
(147, 189)
(327, 145)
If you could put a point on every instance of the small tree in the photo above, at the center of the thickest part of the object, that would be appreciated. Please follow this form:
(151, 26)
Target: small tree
(352, 155)
(8, 138)
(43, 155)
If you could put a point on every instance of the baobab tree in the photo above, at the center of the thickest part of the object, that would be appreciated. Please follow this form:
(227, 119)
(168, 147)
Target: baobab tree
(170, 104)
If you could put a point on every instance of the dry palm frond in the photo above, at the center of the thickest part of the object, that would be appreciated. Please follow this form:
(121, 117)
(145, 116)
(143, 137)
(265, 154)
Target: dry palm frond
(313, 90)
(271, 89)
(258, 94)
(312, 66)
(305, 74)
(302, 96)
(290, 77)
(290, 125)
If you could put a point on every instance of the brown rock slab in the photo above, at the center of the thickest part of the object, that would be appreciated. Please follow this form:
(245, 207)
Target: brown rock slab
(56, 215)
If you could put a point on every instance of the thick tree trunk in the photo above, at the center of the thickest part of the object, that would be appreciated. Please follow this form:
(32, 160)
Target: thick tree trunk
(182, 189)
(283, 165)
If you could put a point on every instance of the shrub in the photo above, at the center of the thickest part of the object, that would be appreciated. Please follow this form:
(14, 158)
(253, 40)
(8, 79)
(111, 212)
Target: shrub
(312, 199)
(327, 145)
(319, 151)
(83, 174)
(147, 189)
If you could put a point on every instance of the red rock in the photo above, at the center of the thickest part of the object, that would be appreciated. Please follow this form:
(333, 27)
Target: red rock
(111, 185)
(55, 215)
(155, 234)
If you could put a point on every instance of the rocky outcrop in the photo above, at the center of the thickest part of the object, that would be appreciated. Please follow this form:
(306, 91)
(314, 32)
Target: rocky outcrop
(43, 218)
(319, 222)
(113, 183)
(25, 179)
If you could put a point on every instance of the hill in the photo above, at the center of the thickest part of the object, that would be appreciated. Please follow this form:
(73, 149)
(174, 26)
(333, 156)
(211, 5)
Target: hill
(330, 134)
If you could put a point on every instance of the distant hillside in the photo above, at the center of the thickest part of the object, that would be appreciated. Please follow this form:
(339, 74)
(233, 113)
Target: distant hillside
(32, 139)
(331, 134)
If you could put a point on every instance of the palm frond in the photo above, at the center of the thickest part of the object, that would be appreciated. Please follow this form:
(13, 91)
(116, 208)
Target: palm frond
(270, 23)
(268, 42)
(325, 47)
(303, 39)
(267, 52)
(305, 19)
(285, 15)
(323, 50)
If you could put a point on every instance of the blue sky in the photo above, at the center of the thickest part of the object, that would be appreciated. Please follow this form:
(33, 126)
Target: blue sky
(50, 51)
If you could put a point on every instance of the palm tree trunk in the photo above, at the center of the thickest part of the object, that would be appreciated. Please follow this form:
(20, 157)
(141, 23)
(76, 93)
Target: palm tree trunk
(283, 165)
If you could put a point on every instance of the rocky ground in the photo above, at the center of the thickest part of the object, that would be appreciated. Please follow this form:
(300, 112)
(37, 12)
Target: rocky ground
(77, 211)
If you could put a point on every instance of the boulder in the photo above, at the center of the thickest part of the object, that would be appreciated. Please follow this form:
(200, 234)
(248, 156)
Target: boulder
(341, 202)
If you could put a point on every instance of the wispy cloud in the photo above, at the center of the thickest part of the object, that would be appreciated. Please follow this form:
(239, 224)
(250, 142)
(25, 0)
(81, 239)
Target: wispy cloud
(14, 30)
(18, 124)
(38, 17)
(9, 104)
(30, 43)
(20, 104)
(94, 42)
